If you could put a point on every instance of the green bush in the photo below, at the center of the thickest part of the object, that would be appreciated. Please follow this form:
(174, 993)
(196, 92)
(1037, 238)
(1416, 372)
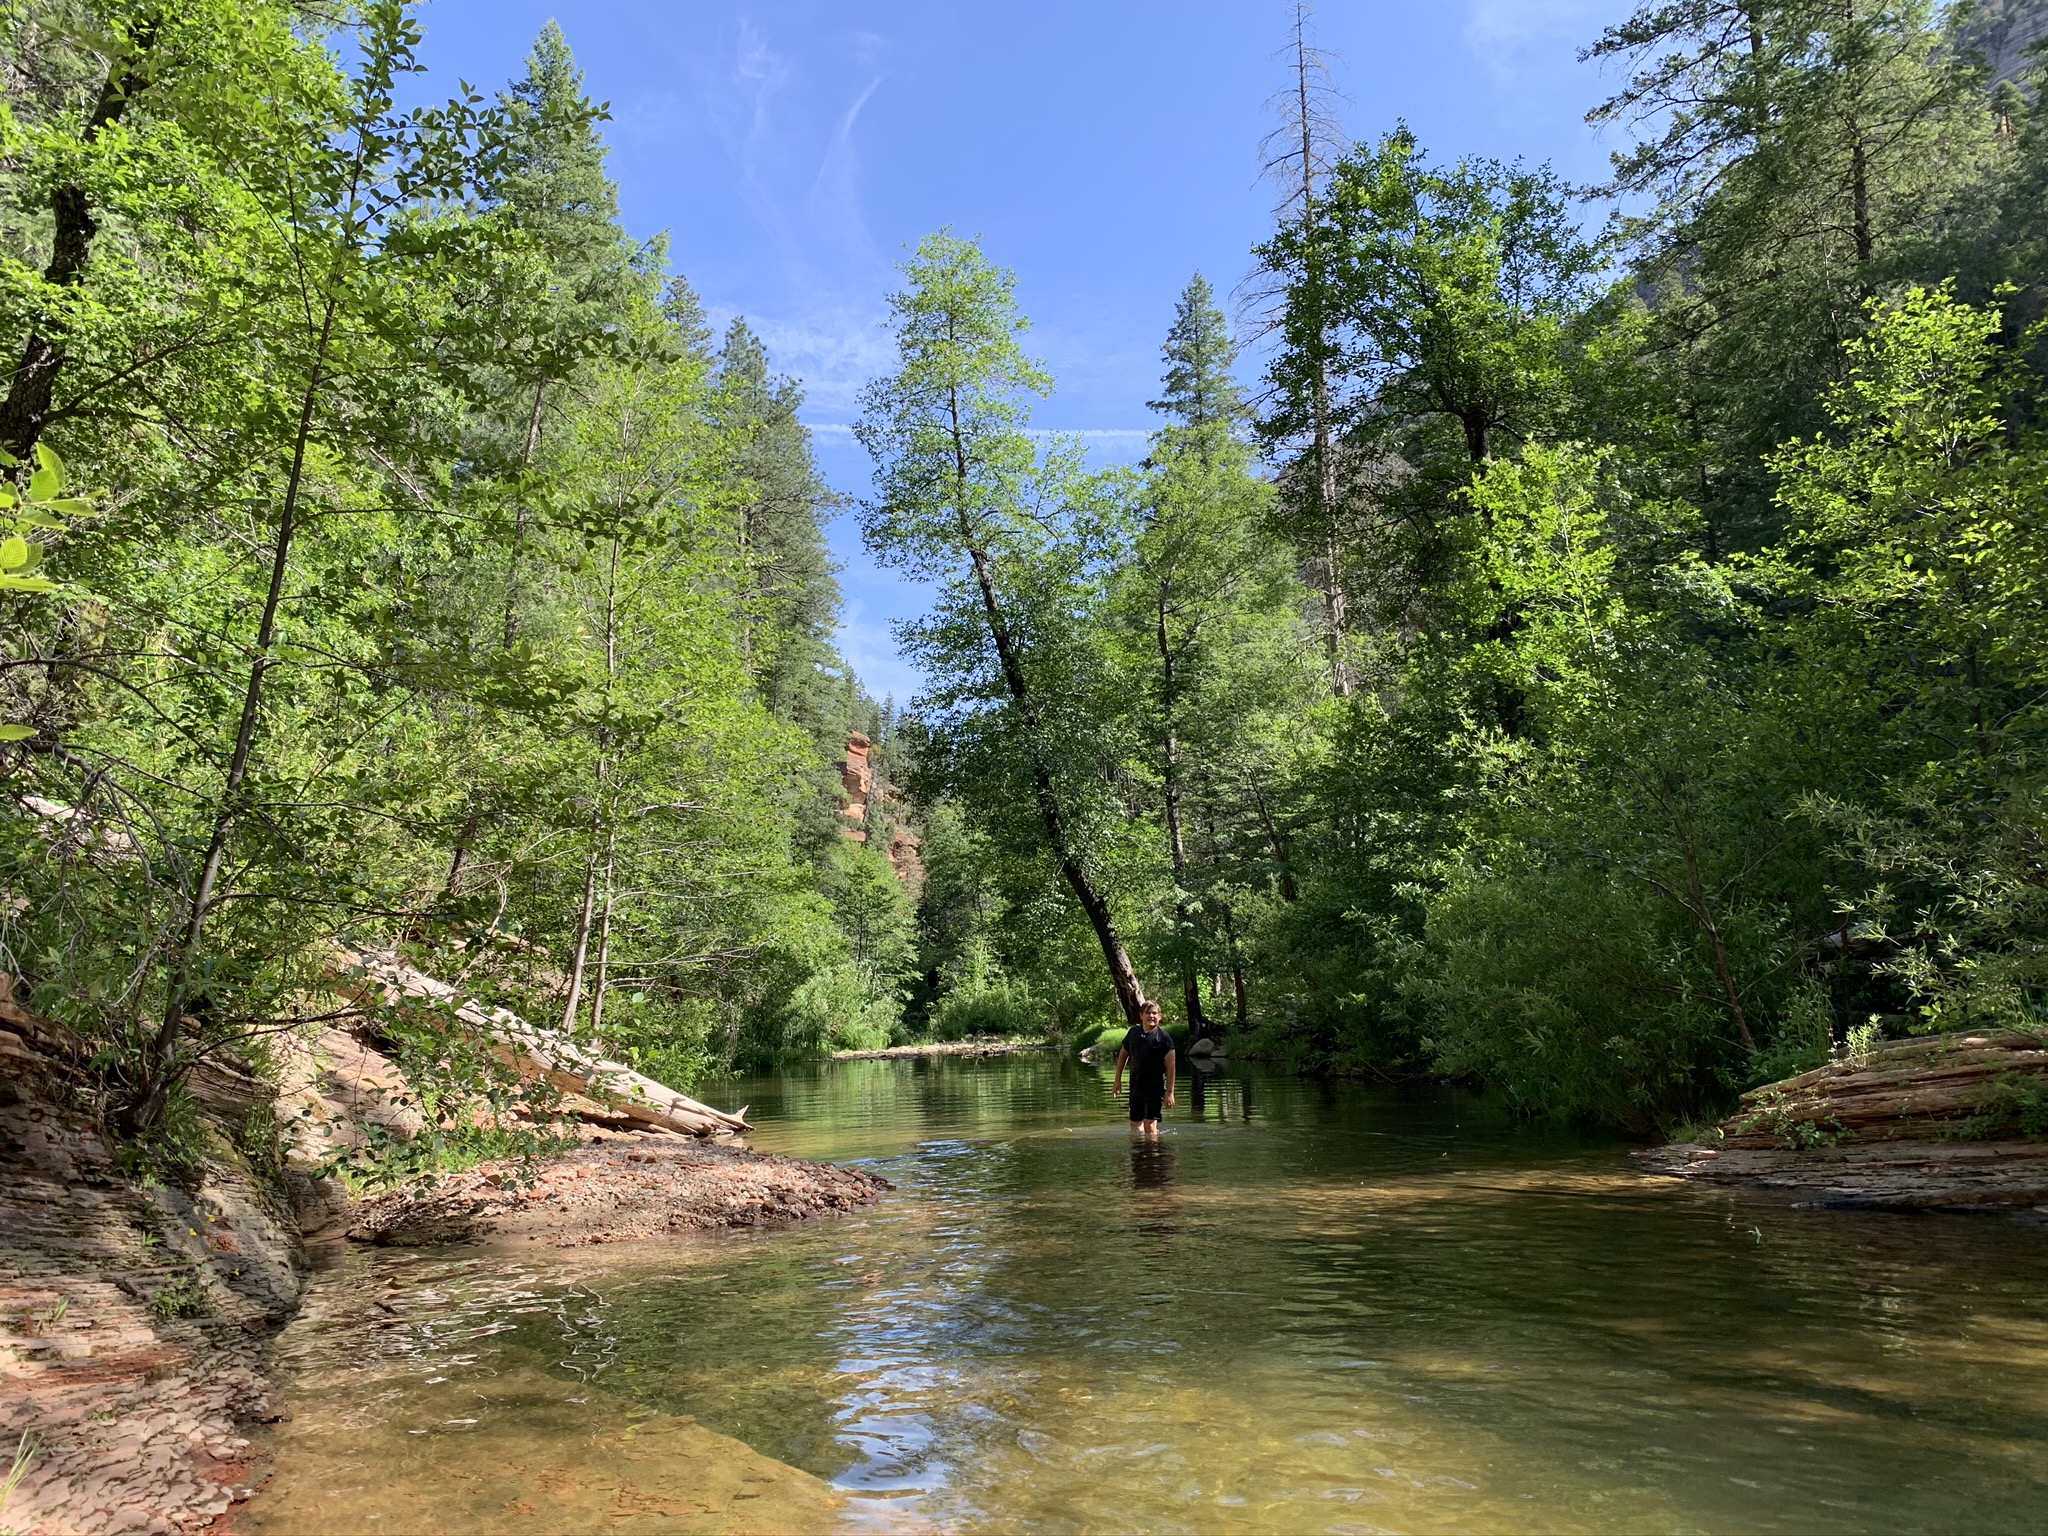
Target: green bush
(1582, 996)
(999, 1007)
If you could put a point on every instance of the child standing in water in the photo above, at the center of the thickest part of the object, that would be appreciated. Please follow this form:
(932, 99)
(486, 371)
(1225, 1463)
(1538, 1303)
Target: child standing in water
(1148, 1049)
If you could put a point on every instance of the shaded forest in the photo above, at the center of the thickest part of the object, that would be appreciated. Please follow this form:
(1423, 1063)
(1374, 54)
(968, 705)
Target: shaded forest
(397, 559)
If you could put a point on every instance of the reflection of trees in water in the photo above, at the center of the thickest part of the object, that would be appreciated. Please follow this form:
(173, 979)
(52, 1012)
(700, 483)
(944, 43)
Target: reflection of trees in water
(1206, 1087)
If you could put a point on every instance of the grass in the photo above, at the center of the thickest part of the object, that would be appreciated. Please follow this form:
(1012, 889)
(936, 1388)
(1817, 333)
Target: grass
(38, 1323)
(24, 1453)
(183, 1297)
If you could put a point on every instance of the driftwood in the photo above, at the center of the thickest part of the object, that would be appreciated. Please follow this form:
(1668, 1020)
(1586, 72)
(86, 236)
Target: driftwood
(378, 978)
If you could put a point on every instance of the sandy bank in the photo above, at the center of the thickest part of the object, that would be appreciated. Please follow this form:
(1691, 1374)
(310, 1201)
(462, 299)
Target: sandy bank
(617, 1189)
(135, 1311)
(950, 1048)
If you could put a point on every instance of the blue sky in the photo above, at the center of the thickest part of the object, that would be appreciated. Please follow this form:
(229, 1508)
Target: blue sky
(792, 149)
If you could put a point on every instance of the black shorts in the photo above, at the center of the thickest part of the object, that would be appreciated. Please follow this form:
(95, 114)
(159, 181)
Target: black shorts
(1147, 1099)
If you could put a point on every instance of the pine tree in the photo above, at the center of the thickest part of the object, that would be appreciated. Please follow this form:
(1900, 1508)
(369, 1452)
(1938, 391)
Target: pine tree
(1201, 573)
(1199, 390)
(554, 184)
(792, 598)
(1800, 157)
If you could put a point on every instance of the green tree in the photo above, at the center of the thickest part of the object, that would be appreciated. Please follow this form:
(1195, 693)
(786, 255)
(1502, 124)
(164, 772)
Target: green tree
(1919, 555)
(963, 498)
(1798, 157)
(791, 595)
(1202, 585)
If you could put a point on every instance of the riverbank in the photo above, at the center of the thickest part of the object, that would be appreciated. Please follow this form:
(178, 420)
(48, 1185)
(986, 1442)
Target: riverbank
(136, 1307)
(975, 1048)
(615, 1189)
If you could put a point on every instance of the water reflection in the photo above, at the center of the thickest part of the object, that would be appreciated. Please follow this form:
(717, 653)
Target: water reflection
(1152, 1163)
(1208, 1085)
(1315, 1322)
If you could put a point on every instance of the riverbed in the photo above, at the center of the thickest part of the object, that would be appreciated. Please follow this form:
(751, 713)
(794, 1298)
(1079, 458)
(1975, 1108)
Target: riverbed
(1304, 1307)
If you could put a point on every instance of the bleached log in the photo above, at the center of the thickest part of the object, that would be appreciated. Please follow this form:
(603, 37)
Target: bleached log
(535, 1050)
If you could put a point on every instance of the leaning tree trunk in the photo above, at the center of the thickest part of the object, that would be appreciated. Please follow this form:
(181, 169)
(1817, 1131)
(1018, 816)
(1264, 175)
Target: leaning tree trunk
(1123, 977)
(161, 1069)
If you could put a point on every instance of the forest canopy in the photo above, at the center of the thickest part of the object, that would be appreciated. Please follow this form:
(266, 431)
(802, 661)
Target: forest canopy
(1595, 661)
(433, 578)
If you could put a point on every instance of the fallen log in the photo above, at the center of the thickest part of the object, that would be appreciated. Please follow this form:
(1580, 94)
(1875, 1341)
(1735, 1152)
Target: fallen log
(527, 1047)
(378, 978)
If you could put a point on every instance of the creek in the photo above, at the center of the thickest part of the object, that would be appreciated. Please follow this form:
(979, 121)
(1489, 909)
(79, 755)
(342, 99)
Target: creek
(1305, 1307)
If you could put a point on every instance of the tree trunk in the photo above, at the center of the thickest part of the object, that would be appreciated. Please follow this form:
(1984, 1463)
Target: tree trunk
(161, 1069)
(1731, 996)
(600, 834)
(515, 557)
(1240, 1015)
(1859, 197)
(27, 405)
(1123, 977)
(1277, 841)
(1190, 985)
(1325, 454)
(586, 914)
(604, 945)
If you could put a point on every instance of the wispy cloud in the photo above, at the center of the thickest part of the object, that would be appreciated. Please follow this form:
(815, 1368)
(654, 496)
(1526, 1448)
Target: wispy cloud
(841, 147)
(1518, 39)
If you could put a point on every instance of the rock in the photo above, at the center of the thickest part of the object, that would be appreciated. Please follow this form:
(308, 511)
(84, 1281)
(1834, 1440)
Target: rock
(1935, 1121)
(1897, 1174)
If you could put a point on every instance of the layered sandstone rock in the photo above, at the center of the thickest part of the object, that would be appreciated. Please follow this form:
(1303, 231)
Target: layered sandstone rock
(1951, 1121)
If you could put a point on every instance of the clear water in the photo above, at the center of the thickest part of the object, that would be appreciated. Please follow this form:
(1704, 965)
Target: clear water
(1304, 1308)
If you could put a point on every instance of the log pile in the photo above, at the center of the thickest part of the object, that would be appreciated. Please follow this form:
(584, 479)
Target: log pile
(377, 979)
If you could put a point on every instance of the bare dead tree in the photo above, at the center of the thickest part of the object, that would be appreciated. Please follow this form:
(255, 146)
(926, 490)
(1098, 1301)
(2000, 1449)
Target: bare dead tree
(1297, 157)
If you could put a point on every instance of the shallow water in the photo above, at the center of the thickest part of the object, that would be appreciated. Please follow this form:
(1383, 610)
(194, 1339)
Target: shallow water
(1304, 1308)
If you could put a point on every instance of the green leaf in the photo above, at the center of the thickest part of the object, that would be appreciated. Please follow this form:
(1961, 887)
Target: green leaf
(48, 480)
(13, 552)
(70, 506)
(16, 732)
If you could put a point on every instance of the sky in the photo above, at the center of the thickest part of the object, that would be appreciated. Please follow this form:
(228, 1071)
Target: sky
(792, 150)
